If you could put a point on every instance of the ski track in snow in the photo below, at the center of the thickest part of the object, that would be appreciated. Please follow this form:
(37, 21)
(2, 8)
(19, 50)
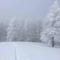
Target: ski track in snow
(27, 51)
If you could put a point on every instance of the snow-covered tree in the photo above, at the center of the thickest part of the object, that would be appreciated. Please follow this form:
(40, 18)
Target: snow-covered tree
(54, 14)
(3, 28)
(48, 36)
(52, 32)
(24, 30)
(10, 30)
(33, 30)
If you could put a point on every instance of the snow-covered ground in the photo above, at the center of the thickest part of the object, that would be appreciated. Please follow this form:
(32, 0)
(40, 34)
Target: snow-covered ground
(27, 51)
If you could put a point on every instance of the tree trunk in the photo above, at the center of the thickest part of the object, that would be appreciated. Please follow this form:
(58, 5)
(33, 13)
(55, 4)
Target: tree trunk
(52, 41)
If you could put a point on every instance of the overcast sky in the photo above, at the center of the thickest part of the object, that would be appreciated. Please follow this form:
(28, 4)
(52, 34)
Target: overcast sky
(36, 8)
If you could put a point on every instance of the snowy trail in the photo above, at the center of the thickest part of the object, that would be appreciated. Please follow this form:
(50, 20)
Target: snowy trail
(28, 51)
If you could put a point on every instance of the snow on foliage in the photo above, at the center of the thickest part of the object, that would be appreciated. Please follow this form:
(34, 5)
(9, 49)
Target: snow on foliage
(10, 30)
(52, 33)
(24, 30)
(47, 34)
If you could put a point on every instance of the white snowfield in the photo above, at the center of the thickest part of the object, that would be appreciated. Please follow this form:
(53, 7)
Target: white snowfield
(27, 51)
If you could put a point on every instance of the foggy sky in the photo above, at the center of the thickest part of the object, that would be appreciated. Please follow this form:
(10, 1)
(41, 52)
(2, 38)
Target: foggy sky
(35, 8)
